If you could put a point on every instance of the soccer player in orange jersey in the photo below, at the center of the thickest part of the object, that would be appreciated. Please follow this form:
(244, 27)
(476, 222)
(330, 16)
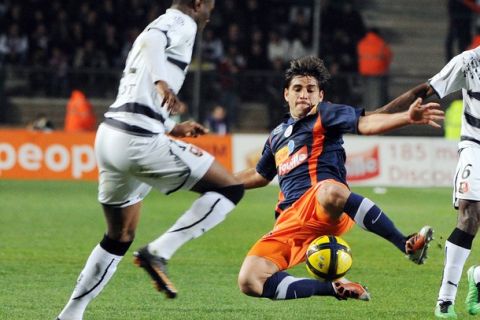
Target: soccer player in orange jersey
(306, 153)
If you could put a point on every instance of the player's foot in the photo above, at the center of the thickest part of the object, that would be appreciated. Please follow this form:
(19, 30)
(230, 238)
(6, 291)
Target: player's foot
(417, 245)
(345, 289)
(473, 298)
(156, 267)
(445, 310)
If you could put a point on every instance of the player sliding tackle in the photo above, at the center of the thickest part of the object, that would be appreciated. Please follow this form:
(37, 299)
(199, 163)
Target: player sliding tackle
(306, 153)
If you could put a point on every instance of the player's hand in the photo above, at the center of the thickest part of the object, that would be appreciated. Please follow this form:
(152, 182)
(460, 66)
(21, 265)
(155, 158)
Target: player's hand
(170, 99)
(188, 129)
(429, 113)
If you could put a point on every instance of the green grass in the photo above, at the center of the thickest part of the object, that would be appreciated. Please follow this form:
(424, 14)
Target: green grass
(47, 230)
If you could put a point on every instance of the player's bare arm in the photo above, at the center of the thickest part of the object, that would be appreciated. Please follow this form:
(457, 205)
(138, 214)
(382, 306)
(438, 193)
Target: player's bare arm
(403, 102)
(418, 113)
(188, 129)
(251, 179)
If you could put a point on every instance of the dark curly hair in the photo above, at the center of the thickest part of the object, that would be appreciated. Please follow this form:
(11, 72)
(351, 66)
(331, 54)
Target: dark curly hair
(307, 66)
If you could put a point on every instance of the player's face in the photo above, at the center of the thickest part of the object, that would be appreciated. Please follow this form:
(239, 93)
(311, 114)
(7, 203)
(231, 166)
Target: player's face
(204, 10)
(302, 95)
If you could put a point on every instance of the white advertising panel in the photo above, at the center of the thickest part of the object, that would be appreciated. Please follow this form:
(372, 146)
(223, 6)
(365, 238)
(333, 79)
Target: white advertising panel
(376, 161)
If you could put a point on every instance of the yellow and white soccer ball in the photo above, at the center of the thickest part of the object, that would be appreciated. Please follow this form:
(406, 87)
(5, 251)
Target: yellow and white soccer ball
(328, 258)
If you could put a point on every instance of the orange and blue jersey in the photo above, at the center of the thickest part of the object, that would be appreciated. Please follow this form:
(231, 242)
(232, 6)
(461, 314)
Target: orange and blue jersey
(305, 151)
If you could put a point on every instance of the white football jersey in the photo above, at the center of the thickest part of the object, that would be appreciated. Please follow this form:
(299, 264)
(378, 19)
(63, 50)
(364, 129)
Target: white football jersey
(162, 51)
(463, 72)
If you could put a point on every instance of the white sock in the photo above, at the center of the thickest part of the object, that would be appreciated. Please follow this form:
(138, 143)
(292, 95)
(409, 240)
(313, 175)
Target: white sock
(98, 270)
(455, 257)
(476, 274)
(204, 214)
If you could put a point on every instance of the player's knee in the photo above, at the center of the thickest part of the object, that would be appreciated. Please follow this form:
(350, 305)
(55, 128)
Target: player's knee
(249, 286)
(233, 193)
(332, 197)
(123, 234)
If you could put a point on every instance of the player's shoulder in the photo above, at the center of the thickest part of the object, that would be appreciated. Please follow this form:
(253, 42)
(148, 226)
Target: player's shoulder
(174, 20)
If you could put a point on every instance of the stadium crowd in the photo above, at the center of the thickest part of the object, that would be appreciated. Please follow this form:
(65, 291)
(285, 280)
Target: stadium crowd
(240, 36)
(69, 45)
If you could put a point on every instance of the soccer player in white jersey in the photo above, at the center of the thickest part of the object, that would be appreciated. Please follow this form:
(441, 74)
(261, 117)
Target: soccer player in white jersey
(462, 73)
(135, 154)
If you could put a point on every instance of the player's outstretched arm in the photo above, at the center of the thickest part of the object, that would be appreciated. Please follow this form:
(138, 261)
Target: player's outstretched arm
(251, 179)
(418, 113)
(188, 129)
(403, 102)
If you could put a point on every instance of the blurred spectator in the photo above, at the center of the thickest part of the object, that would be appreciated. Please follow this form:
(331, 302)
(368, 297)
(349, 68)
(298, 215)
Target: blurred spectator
(212, 47)
(79, 115)
(301, 45)
(58, 63)
(111, 46)
(278, 47)
(229, 69)
(41, 123)
(256, 57)
(459, 28)
(39, 45)
(13, 46)
(89, 57)
(255, 14)
(235, 37)
(217, 120)
(374, 59)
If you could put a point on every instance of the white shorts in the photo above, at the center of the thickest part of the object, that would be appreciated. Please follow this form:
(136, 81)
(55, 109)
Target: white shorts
(466, 183)
(129, 165)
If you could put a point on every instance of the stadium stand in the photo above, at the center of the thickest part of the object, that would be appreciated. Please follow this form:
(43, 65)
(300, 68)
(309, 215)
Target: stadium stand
(58, 46)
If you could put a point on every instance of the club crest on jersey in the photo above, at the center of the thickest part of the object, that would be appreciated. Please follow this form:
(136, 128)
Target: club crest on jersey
(288, 132)
(463, 187)
(293, 161)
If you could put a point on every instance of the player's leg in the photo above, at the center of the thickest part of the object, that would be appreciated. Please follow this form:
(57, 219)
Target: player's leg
(466, 195)
(336, 199)
(260, 277)
(121, 196)
(457, 250)
(102, 262)
(219, 194)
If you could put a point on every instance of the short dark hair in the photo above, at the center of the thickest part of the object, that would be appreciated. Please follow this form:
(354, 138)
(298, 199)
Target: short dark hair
(307, 66)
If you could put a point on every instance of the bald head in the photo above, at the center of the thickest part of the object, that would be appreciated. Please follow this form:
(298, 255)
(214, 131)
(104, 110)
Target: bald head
(199, 10)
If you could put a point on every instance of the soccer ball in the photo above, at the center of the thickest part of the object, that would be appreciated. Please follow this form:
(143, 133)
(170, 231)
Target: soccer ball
(328, 258)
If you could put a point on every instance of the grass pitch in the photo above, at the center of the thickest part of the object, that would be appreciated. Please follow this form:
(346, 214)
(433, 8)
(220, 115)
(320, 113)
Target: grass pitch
(47, 230)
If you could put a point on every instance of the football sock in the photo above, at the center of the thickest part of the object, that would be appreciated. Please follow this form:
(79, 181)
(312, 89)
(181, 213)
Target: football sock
(476, 275)
(98, 270)
(204, 214)
(457, 249)
(370, 217)
(282, 286)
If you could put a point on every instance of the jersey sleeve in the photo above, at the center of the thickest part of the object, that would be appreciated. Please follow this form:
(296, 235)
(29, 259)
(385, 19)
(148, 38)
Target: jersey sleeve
(266, 165)
(154, 43)
(452, 76)
(339, 118)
